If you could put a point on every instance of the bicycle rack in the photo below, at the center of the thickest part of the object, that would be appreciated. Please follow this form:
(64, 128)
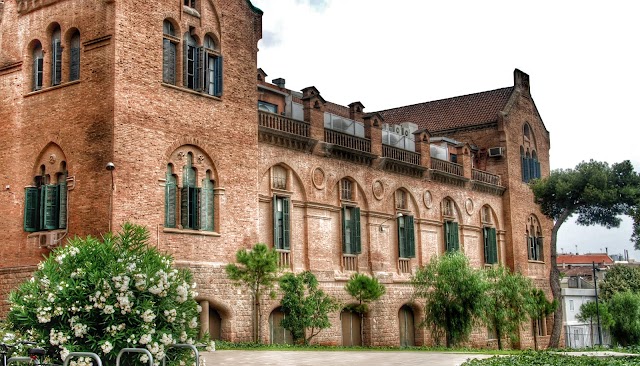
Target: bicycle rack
(21, 359)
(133, 350)
(181, 345)
(82, 354)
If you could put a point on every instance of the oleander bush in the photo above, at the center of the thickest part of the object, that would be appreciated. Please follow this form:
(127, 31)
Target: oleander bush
(552, 359)
(102, 295)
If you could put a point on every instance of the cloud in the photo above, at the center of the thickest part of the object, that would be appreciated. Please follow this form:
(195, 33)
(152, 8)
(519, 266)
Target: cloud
(271, 38)
(317, 5)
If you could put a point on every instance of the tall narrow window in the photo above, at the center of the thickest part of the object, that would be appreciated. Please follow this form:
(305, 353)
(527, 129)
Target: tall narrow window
(489, 237)
(278, 177)
(212, 83)
(38, 66)
(168, 53)
(281, 222)
(170, 194)
(406, 237)
(56, 57)
(74, 57)
(452, 241)
(207, 206)
(535, 247)
(351, 242)
(189, 197)
(192, 63)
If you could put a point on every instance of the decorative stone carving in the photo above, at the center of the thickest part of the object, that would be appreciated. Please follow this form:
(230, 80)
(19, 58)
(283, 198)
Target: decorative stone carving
(318, 178)
(428, 199)
(181, 155)
(468, 206)
(200, 159)
(378, 189)
(52, 158)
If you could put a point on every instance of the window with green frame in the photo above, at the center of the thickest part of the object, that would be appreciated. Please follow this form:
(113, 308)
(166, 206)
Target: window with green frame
(351, 243)
(451, 239)
(45, 205)
(197, 204)
(490, 245)
(534, 240)
(406, 237)
(281, 222)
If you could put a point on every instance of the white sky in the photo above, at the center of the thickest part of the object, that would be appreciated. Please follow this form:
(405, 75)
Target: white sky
(582, 58)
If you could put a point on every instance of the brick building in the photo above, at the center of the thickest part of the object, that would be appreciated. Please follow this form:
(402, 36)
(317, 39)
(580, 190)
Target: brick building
(212, 158)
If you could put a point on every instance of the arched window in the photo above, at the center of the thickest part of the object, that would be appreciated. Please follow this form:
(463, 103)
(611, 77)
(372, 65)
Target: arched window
(278, 177)
(74, 56)
(169, 46)
(213, 68)
(534, 240)
(351, 238)
(192, 64)
(451, 227)
(56, 57)
(281, 209)
(190, 196)
(526, 131)
(489, 236)
(38, 66)
(46, 200)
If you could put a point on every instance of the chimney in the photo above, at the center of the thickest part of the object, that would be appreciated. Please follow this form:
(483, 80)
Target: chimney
(521, 81)
(279, 82)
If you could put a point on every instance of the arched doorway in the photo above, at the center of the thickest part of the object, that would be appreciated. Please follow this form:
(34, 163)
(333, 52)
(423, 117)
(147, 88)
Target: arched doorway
(407, 329)
(351, 328)
(215, 325)
(277, 334)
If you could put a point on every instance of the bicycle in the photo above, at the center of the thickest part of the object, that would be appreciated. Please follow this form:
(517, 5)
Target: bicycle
(34, 353)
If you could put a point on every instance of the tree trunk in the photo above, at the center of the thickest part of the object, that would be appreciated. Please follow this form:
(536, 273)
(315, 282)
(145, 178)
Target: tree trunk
(499, 336)
(554, 282)
(535, 334)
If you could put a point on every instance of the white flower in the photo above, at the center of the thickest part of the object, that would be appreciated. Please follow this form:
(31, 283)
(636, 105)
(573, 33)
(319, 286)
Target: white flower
(64, 353)
(106, 347)
(211, 346)
(144, 358)
(145, 339)
(166, 339)
(193, 323)
(170, 315)
(108, 309)
(148, 316)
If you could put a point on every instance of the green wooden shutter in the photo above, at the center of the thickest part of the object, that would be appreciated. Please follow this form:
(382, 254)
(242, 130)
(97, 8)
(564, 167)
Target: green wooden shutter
(50, 207)
(184, 207)
(170, 192)
(530, 247)
(447, 236)
(538, 174)
(344, 231)
(523, 167)
(285, 223)
(357, 241)
(487, 255)
(400, 222)
(207, 206)
(185, 62)
(275, 222)
(38, 65)
(74, 64)
(56, 78)
(195, 207)
(62, 203)
(455, 236)
(492, 246)
(217, 71)
(31, 209)
(411, 240)
(199, 68)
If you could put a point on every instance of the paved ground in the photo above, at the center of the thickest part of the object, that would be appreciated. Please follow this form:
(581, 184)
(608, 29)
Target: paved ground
(333, 358)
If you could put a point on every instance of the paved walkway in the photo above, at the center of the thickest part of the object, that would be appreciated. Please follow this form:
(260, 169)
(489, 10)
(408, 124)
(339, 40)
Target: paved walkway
(333, 358)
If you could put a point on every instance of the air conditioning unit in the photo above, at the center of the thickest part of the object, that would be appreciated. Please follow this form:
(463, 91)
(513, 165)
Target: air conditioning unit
(406, 132)
(48, 239)
(495, 152)
(398, 129)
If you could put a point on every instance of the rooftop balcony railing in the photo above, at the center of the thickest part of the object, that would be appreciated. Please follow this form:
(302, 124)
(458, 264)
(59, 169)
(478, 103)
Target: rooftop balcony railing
(284, 124)
(348, 141)
(400, 154)
(485, 177)
(447, 167)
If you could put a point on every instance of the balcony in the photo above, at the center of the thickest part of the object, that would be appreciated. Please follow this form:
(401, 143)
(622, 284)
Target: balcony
(448, 172)
(282, 131)
(401, 161)
(486, 182)
(348, 147)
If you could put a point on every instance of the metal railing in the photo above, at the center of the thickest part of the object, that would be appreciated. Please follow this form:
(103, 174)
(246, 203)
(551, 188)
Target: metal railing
(485, 177)
(348, 141)
(349, 262)
(395, 153)
(281, 123)
(404, 265)
(447, 167)
(284, 260)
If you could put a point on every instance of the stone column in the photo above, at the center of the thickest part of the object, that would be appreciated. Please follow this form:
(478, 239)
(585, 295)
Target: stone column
(204, 317)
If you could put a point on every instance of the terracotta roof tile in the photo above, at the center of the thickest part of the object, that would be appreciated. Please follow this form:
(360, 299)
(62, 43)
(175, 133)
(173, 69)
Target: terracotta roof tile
(584, 258)
(451, 113)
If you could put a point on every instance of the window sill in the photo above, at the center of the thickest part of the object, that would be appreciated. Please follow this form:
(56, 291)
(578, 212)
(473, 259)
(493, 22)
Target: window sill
(190, 91)
(191, 11)
(50, 88)
(535, 261)
(190, 232)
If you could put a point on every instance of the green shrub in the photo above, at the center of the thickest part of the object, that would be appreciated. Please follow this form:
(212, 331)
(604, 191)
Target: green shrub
(551, 359)
(104, 295)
